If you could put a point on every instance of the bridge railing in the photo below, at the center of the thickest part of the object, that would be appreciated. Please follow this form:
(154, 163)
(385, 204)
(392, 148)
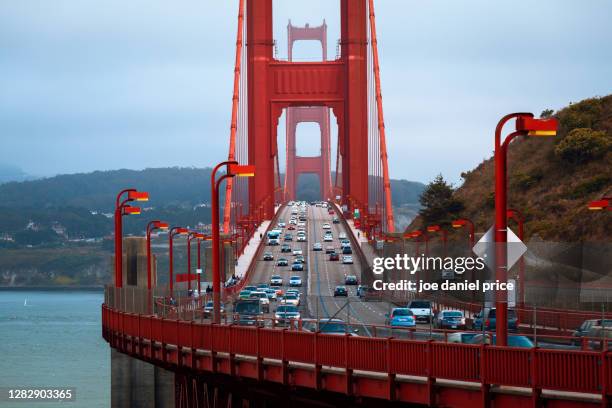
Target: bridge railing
(537, 369)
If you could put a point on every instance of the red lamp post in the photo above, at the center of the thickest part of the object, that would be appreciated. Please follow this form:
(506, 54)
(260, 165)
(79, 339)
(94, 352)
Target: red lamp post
(198, 237)
(201, 237)
(462, 222)
(122, 208)
(520, 220)
(438, 228)
(171, 234)
(232, 169)
(526, 125)
(151, 226)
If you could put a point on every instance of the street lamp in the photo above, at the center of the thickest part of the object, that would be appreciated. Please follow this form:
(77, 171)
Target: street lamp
(520, 220)
(201, 237)
(122, 208)
(460, 223)
(526, 125)
(171, 234)
(438, 228)
(232, 169)
(198, 237)
(152, 225)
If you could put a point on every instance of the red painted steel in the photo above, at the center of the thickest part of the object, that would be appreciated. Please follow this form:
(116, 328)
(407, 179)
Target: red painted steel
(381, 124)
(536, 369)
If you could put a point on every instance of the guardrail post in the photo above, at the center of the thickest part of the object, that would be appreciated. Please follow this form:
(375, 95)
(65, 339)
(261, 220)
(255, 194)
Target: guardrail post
(259, 359)
(139, 337)
(284, 362)
(163, 342)
(191, 348)
(536, 391)
(485, 387)
(604, 376)
(431, 381)
(390, 373)
(348, 370)
(316, 361)
(179, 346)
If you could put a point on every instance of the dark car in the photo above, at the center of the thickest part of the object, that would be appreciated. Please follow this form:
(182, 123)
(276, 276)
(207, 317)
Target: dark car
(288, 237)
(488, 317)
(268, 256)
(282, 262)
(597, 334)
(248, 312)
(346, 250)
(336, 220)
(450, 319)
(330, 249)
(367, 293)
(340, 291)
(285, 248)
(584, 328)
(334, 256)
(350, 280)
(297, 266)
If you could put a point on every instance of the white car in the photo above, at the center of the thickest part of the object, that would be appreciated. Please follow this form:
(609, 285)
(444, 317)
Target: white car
(301, 238)
(328, 238)
(342, 235)
(317, 246)
(326, 226)
(281, 225)
(290, 299)
(276, 280)
(295, 281)
(347, 259)
(263, 299)
(301, 224)
(297, 251)
(294, 291)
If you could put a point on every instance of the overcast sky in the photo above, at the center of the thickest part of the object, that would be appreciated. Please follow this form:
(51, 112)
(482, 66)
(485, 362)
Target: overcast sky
(90, 85)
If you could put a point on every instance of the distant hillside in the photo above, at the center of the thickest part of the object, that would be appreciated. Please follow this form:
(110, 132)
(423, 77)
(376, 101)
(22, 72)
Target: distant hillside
(176, 186)
(10, 173)
(73, 206)
(551, 180)
(404, 192)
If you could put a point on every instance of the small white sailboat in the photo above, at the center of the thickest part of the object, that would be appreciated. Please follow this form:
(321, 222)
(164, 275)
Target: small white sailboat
(25, 302)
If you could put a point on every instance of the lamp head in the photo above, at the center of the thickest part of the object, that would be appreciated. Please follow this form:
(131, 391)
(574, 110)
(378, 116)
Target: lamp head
(138, 196)
(537, 127)
(129, 210)
(241, 170)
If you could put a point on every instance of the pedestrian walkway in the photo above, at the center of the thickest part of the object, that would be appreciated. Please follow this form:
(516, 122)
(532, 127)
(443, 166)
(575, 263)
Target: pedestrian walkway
(250, 250)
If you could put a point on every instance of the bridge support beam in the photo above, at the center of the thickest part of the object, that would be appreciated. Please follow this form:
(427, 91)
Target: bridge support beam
(136, 383)
(341, 85)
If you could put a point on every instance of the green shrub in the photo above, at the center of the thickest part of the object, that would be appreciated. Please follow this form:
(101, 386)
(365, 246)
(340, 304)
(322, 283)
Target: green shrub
(590, 186)
(582, 145)
(522, 181)
(584, 114)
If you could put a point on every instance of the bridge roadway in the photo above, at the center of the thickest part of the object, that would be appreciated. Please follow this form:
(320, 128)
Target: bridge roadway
(321, 276)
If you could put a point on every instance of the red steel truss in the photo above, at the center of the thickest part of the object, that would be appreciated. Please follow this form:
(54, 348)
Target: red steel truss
(349, 86)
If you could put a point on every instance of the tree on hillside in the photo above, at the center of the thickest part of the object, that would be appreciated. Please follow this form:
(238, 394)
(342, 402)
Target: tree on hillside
(547, 113)
(438, 204)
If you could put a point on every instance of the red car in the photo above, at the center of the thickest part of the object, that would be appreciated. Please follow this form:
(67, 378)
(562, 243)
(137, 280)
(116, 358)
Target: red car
(291, 228)
(334, 256)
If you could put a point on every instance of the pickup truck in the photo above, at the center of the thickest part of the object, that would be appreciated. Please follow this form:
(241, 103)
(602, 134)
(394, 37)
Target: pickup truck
(421, 309)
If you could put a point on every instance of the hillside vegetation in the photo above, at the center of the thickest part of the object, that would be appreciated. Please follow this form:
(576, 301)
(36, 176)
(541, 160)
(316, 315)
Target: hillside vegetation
(551, 180)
